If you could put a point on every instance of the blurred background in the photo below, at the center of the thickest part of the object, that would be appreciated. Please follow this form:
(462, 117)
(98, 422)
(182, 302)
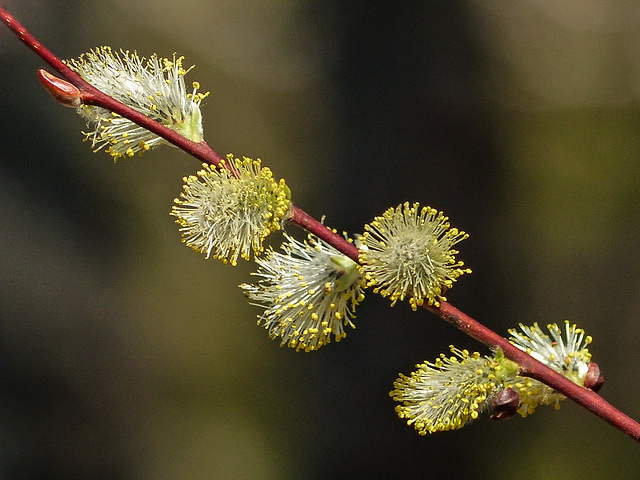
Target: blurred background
(126, 355)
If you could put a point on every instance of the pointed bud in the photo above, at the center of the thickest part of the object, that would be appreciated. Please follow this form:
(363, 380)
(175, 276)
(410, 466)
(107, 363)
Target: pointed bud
(61, 90)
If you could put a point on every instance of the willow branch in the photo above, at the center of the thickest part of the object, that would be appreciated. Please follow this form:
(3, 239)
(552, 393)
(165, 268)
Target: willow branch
(529, 367)
(92, 96)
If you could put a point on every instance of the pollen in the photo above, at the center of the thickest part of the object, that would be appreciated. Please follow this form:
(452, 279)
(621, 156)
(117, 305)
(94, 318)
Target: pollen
(408, 253)
(221, 210)
(445, 394)
(323, 288)
(565, 352)
(154, 87)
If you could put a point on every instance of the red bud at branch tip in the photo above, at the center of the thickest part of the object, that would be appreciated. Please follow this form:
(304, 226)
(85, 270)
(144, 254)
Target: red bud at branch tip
(61, 90)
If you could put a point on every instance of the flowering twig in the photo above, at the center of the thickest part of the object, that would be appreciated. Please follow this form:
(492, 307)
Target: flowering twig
(74, 90)
(530, 367)
(89, 95)
(201, 150)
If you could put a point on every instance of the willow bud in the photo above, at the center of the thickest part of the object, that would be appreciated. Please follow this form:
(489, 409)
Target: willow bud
(595, 378)
(62, 91)
(505, 404)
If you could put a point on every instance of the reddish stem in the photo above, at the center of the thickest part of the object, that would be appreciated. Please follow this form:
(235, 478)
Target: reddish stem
(310, 224)
(92, 96)
(528, 365)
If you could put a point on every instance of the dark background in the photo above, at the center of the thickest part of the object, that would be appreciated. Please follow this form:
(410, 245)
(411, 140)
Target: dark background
(127, 355)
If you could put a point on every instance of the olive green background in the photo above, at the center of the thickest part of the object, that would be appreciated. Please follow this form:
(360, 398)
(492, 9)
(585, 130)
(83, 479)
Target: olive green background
(125, 355)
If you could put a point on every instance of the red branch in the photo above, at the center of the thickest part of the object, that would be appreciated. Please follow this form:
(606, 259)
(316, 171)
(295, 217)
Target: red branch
(310, 224)
(92, 96)
(528, 365)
